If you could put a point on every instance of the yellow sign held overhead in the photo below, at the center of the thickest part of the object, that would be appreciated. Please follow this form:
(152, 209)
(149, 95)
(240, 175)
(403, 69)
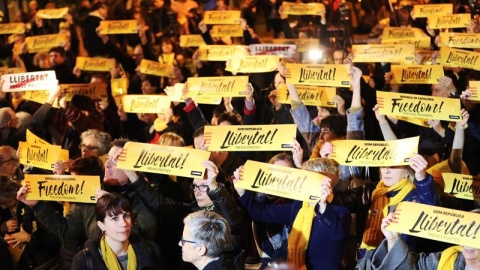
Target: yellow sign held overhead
(249, 138)
(374, 153)
(176, 95)
(291, 8)
(119, 86)
(34, 139)
(12, 28)
(383, 53)
(95, 64)
(460, 40)
(233, 30)
(424, 11)
(118, 27)
(449, 21)
(416, 74)
(310, 95)
(286, 182)
(145, 103)
(191, 41)
(179, 161)
(303, 45)
(462, 186)
(39, 155)
(30, 81)
(39, 97)
(427, 107)
(70, 188)
(95, 91)
(416, 121)
(156, 68)
(44, 43)
(221, 52)
(459, 58)
(400, 35)
(437, 223)
(228, 86)
(11, 70)
(222, 17)
(54, 13)
(323, 75)
(253, 64)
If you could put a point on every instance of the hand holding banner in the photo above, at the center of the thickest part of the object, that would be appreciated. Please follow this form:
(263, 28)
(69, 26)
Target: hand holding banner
(249, 138)
(309, 95)
(383, 53)
(228, 86)
(70, 188)
(374, 153)
(416, 74)
(145, 103)
(39, 155)
(253, 64)
(462, 186)
(34, 139)
(95, 64)
(179, 161)
(30, 81)
(323, 75)
(118, 27)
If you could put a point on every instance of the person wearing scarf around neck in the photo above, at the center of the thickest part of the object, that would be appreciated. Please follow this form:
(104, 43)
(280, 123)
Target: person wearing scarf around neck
(318, 230)
(117, 249)
(393, 253)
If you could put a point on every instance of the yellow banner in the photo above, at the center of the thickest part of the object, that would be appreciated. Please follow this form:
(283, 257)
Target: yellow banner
(229, 86)
(176, 95)
(95, 91)
(70, 188)
(416, 74)
(249, 138)
(449, 21)
(400, 35)
(413, 120)
(118, 27)
(34, 139)
(427, 107)
(39, 155)
(323, 75)
(286, 182)
(282, 50)
(192, 41)
(310, 95)
(95, 64)
(44, 43)
(119, 86)
(12, 28)
(459, 58)
(253, 64)
(460, 40)
(11, 70)
(234, 30)
(222, 17)
(57, 13)
(39, 97)
(291, 8)
(179, 161)
(462, 186)
(303, 45)
(41, 80)
(156, 68)
(145, 103)
(437, 223)
(374, 153)
(426, 57)
(418, 42)
(424, 11)
(221, 52)
(383, 53)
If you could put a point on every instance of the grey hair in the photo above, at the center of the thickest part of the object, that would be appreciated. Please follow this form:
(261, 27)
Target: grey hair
(5, 116)
(104, 139)
(23, 118)
(210, 229)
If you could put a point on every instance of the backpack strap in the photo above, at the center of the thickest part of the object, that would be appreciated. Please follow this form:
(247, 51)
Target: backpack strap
(88, 257)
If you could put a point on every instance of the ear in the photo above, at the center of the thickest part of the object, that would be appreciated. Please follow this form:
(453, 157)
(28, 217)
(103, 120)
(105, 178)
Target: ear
(202, 251)
(101, 225)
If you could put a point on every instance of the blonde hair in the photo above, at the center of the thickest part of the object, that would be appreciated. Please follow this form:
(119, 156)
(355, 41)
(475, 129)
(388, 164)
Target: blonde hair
(171, 139)
(282, 157)
(321, 165)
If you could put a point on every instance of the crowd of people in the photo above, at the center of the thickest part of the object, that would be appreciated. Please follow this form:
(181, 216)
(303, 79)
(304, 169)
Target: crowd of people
(157, 221)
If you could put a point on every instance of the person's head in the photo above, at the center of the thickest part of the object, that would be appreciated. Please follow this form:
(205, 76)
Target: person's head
(88, 166)
(33, 6)
(282, 159)
(95, 143)
(167, 45)
(221, 4)
(8, 192)
(23, 118)
(325, 166)
(101, 7)
(394, 174)
(113, 175)
(279, 81)
(8, 118)
(171, 139)
(333, 126)
(138, 53)
(99, 78)
(200, 190)
(338, 56)
(42, 60)
(9, 161)
(229, 119)
(113, 214)
(158, 3)
(472, 255)
(198, 137)
(432, 149)
(150, 85)
(206, 236)
(56, 56)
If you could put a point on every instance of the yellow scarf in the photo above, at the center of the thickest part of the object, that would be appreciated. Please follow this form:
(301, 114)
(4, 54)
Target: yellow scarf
(159, 125)
(448, 258)
(16, 102)
(111, 260)
(373, 236)
(299, 236)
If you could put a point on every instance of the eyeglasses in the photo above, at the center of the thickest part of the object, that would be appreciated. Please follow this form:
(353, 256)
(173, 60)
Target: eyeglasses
(322, 130)
(88, 147)
(183, 241)
(202, 188)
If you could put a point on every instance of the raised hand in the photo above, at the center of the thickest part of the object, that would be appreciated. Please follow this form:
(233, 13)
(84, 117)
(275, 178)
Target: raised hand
(21, 196)
(297, 153)
(211, 175)
(419, 165)
(236, 177)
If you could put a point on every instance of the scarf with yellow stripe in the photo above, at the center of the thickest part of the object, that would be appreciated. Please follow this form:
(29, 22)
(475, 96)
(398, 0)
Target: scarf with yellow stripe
(448, 258)
(110, 258)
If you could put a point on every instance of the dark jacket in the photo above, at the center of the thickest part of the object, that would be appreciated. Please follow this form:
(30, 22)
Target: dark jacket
(225, 262)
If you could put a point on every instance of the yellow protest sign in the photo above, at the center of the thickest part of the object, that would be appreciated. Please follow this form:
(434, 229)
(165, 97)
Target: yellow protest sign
(416, 121)
(192, 41)
(449, 21)
(41, 80)
(44, 43)
(282, 50)
(303, 45)
(54, 13)
(118, 27)
(374, 153)
(95, 91)
(418, 42)
(12, 28)
(233, 30)
(462, 186)
(34, 139)
(175, 94)
(222, 17)
(460, 40)
(401, 35)
(437, 223)
(11, 70)
(39, 97)
(424, 11)
(39, 155)
(70, 188)
(427, 107)
(253, 64)
(286, 182)
(309, 95)
(249, 138)
(416, 74)
(145, 103)
(426, 57)
(292, 8)
(179, 161)
(221, 52)
(228, 86)
(95, 64)
(156, 68)
(459, 58)
(119, 86)
(323, 75)
(383, 53)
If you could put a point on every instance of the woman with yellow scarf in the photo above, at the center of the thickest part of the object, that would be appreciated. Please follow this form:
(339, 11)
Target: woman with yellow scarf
(116, 249)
